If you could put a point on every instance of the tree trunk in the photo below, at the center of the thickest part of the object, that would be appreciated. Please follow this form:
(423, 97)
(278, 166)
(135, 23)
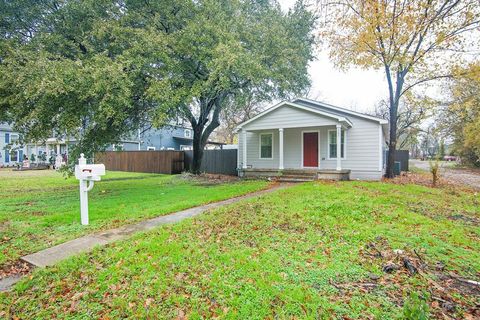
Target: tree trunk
(392, 146)
(201, 133)
(197, 150)
(393, 117)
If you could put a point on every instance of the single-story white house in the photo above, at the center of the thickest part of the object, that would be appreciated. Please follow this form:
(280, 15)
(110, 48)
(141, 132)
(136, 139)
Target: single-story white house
(301, 137)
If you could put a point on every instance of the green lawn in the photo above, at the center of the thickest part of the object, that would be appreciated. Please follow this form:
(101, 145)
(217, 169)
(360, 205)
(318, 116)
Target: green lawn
(39, 209)
(313, 251)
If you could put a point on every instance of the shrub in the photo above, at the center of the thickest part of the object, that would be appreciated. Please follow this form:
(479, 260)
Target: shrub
(415, 307)
(435, 171)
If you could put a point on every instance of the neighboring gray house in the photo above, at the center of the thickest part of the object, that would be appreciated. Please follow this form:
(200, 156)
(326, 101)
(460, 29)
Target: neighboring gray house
(300, 138)
(171, 137)
(168, 138)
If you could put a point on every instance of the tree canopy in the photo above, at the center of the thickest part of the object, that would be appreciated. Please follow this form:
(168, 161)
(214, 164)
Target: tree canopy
(460, 117)
(97, 69)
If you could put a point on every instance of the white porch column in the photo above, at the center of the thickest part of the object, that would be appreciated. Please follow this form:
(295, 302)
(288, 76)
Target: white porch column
(244, 149)
(280, 149)
(339, 147)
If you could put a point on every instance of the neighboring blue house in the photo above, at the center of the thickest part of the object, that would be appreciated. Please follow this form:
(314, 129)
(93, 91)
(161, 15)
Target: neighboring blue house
(172, 137)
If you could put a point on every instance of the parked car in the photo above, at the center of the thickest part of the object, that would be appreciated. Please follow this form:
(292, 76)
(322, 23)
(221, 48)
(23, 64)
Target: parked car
(450, 158)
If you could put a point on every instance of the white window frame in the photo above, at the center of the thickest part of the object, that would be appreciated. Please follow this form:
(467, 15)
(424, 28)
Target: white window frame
(260, 145)
(186, 147)
(187, 133)
(344, 144)
(11, 140)
(319, 153)
(114, 147)
(151, 148)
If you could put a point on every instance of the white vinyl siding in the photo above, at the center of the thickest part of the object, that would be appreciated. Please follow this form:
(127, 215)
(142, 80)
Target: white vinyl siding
(289, 117)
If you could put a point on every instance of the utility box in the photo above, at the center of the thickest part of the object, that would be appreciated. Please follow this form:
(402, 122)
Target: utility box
(397, 168)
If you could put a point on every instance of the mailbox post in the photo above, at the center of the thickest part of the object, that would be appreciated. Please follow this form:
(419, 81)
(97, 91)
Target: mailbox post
(87, 174)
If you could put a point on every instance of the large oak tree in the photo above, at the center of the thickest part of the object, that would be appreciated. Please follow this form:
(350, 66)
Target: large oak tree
(98, 69)
(412, 41)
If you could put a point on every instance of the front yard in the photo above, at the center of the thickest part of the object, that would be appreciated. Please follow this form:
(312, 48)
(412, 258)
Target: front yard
(39, 209)
(317, 250)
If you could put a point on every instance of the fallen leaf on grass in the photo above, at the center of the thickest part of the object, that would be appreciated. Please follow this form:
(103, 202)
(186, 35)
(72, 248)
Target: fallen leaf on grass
(148, 302)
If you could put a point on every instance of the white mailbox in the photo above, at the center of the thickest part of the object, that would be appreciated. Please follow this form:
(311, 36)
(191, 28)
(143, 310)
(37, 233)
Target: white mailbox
(87, 174)
(91, 172)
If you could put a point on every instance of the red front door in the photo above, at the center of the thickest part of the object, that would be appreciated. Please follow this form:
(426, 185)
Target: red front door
(310, 149)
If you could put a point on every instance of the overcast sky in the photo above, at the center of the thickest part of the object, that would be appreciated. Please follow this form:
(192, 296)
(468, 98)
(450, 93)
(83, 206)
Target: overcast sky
(355, 89)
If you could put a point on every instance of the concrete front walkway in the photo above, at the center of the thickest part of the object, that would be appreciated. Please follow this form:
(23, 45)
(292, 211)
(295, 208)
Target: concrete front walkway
(65, 250)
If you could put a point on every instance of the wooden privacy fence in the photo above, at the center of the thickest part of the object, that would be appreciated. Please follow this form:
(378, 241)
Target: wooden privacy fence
(168, 162)
(215, 161)
(401, 156)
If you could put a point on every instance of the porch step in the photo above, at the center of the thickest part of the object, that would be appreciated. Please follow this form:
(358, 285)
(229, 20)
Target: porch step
(296, 177)
(294, 180)
(299, 173)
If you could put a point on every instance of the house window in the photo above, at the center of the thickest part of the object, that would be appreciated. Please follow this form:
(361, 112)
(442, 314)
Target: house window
(150, 148)
(117, 147)
(266, 145)
(14, 138)
(187, 133)
(332, 144)
(14, 156)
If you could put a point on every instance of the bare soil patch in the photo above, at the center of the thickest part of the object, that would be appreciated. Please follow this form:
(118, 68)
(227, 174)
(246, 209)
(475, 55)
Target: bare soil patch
(17, 268)
(207, 179)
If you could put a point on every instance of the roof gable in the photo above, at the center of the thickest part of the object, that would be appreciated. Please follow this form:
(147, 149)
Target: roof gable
(337, 110)
(324, 114)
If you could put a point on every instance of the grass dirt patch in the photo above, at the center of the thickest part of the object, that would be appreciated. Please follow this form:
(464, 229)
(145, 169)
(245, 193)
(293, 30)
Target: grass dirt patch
(344, 250)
